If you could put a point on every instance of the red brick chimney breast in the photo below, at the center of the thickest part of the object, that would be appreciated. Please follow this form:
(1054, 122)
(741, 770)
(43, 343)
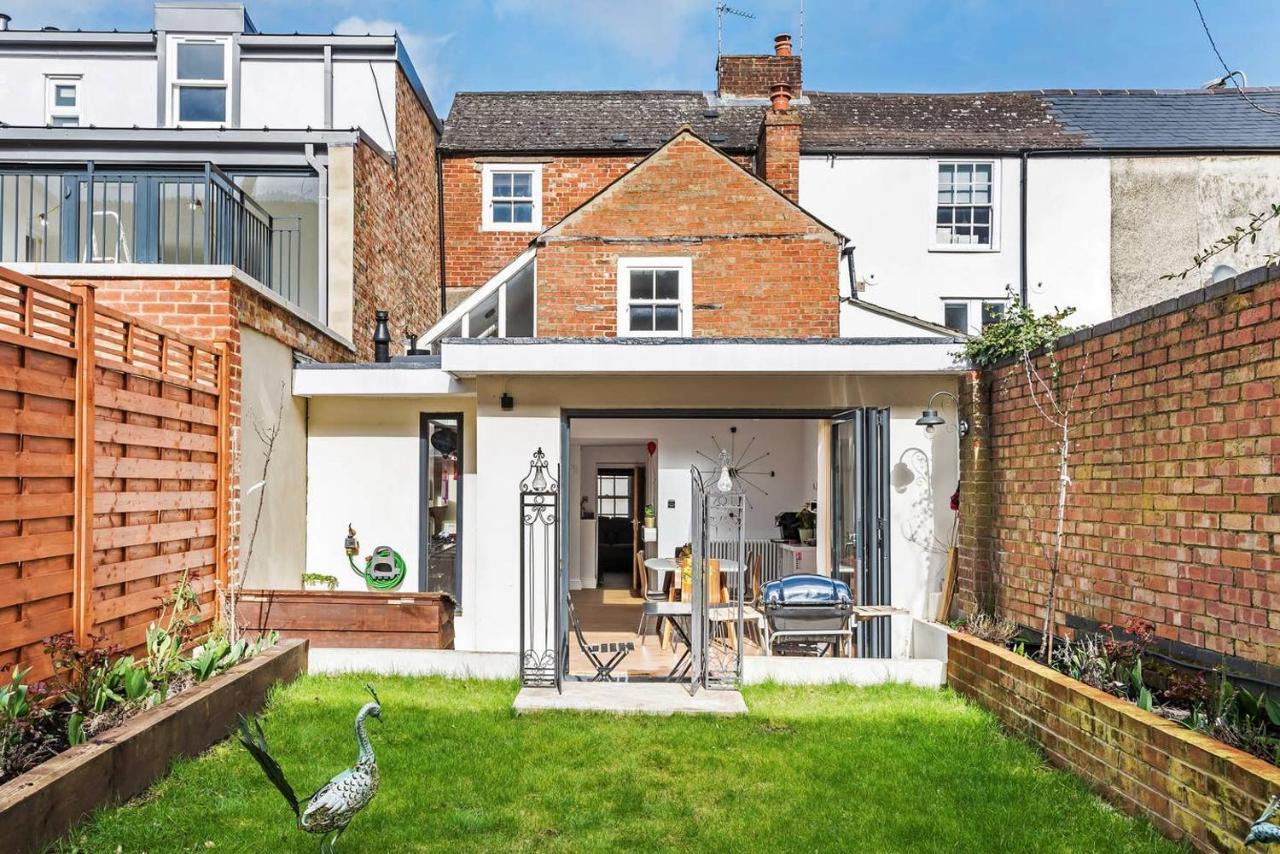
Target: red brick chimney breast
(754, 76)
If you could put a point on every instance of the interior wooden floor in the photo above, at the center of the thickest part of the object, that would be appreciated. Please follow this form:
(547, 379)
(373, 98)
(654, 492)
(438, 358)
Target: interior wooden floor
(612, 616)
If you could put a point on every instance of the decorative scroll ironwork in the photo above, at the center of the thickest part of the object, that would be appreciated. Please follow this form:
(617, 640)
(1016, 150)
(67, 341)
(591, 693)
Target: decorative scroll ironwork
(542, 648)
(719, 510)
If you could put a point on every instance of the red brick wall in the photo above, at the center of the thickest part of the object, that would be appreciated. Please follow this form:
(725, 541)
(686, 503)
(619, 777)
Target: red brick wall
(760, 265)
(1190, 786)
(396, 246)
(473, 255)
(778, 154)
(1174, 508)
(755, 76)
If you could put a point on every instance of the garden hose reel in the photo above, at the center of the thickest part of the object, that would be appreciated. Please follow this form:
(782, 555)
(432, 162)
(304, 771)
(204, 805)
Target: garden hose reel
(383, 570)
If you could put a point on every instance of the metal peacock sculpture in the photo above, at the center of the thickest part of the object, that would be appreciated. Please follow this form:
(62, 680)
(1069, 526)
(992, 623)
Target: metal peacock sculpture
(332, 807)
(1263, 831)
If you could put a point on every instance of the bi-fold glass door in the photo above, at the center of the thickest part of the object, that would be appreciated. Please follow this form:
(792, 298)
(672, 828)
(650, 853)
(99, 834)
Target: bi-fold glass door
(860, 517)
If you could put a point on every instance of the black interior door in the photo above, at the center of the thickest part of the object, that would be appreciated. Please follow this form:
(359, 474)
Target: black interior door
(615, 533)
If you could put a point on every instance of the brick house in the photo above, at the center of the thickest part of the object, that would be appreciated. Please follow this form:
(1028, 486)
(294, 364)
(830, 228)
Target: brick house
(682, 311)
(269, 191)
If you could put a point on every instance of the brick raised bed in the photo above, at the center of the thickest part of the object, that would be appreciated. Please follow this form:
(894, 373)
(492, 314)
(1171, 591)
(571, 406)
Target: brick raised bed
(1190, 786)
(340, 618)
(44, 803)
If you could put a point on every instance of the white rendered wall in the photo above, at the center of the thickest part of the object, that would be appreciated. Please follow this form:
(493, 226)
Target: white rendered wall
(887, 206)
(1069, 236)
(279, 93)
(356, 99)
(364, 466)
(279, 546)
(115, 92)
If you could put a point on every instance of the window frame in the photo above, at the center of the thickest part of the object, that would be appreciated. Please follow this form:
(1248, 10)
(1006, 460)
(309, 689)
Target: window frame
(975, 309)
(614, 497)
(683, 265)
(487, 172)
(962, 303)
(52, 111)
(934, 171)
(176, 84)
(424, 489)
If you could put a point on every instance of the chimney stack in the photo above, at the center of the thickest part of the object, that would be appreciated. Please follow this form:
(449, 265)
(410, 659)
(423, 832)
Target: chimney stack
(778, 147)
(752, 77)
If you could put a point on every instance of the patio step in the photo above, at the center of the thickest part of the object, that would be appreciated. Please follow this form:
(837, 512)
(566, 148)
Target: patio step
(629, 698)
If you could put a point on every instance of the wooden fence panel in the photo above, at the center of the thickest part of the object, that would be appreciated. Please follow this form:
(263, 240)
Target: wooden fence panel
(38, 367)
(114, 453)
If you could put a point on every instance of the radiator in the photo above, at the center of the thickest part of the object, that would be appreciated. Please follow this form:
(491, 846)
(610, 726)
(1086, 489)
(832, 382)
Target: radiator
(772, 563)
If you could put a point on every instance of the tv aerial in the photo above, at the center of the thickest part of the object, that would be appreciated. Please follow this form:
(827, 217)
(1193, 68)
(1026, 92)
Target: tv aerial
(723, 9)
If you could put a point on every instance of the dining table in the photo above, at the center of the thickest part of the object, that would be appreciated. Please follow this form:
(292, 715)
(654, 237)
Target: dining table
(662, 566)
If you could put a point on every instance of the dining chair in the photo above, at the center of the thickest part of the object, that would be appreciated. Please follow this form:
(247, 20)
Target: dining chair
(616, 651)
(649, 593)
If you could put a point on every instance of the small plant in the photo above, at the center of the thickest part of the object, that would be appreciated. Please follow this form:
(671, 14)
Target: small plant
(806, 518)
(1019, 332)
(318, 580)
(650, 512)
(990, 628)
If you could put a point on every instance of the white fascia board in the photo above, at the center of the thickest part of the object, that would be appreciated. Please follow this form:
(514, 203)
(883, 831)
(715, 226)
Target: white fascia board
(373, 381)
(463, 357)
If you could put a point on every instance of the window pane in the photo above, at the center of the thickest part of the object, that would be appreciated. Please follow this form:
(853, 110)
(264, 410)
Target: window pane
(502, 211)
(982, 173)
(202, 104)
(200, 61)
(942, 235)
(982, 216)
(666, 318)
(641, 318)
(522, 212)
(945, 173)
(502, 184)
(443, 499)
(64, 96)
(956, 316)
(522, 185)
(982, 235)
(64, 122)
(642, 284)
(992, 312)
(964, 173)
(668, 284)
(945, 216)
(963, 216)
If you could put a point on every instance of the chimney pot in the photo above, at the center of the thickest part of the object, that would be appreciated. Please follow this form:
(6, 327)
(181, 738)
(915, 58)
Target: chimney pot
(780, 97)
(4, 22)
(782, 44)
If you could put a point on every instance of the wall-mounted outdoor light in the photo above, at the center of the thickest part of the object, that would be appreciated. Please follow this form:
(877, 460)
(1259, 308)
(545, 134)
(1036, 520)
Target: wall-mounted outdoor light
(508, 402)
(930, 419)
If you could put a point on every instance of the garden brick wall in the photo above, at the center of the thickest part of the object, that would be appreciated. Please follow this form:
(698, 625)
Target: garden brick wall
(761, 266)
(1190, 786)
(1173, 513)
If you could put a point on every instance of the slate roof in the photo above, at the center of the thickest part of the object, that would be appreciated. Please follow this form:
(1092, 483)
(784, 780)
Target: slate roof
(858, 122)
(1195, 118)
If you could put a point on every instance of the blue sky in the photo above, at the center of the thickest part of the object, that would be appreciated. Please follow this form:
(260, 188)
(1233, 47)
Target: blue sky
(863, 45)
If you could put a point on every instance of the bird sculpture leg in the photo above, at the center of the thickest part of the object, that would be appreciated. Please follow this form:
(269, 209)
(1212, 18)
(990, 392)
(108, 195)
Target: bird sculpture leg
(333, 843)
(325, 847)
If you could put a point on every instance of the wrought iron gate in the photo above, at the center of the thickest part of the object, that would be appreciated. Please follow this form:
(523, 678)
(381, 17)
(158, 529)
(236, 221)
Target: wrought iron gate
(542, 647)
(719, 583)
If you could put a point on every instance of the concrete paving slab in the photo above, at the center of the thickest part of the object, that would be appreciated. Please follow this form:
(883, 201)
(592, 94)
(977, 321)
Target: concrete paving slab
(630, 698)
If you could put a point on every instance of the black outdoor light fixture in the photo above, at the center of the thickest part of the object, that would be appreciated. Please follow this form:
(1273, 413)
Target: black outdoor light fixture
(508, 402)
(930, 419)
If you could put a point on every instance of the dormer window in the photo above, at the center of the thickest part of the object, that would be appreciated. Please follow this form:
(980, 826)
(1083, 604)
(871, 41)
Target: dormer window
(512, 197)
(62, 100)
(199, 81)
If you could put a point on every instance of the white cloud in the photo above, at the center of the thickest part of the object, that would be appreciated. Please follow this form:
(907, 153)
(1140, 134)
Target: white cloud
(423, 49)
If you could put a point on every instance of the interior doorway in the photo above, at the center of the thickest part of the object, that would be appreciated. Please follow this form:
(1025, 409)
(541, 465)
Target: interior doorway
(620, 495)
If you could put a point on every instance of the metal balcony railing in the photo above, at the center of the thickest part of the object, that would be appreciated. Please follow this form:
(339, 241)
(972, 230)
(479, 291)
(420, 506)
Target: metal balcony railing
(180, 216)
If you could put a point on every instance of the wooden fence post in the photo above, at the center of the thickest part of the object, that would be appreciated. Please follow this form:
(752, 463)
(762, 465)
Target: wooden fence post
(223, 489)
(85, 415)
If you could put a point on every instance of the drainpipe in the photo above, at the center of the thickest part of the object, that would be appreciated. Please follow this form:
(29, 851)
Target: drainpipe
(1022, 231)
(322, 238)
(846, 250)
(381, 338)
(440, 226)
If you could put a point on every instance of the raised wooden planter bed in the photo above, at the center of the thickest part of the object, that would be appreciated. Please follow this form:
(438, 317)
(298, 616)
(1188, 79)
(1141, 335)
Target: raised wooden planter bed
(47, 801)
(1190, 786)
(341, 618)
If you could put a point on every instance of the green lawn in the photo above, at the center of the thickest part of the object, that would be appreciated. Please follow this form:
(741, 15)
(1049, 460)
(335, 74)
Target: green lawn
(880, 769)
